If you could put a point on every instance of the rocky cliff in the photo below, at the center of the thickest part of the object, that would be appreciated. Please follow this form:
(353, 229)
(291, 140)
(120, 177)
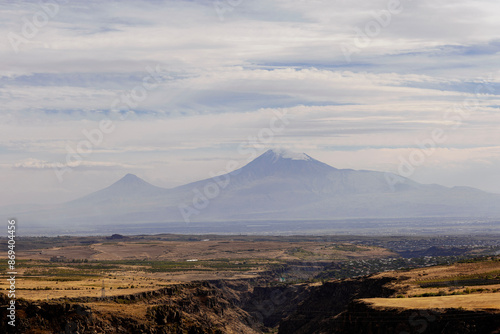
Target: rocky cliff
(193, 308)
(318, 312)
(334, 307)
(247, 307)
(361, 318)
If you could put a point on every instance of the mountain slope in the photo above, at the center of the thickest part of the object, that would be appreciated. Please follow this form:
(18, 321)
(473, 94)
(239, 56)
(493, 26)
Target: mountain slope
(278, 185)
(130, 188)
(284, 185)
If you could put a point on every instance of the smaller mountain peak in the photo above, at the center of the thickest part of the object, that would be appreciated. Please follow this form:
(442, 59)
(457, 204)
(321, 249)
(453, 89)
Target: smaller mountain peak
(131, 182)
(130, 178)
(281, 153)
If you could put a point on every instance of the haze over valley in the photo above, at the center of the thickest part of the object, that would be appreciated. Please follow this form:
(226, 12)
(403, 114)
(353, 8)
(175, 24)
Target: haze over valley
(279, 188)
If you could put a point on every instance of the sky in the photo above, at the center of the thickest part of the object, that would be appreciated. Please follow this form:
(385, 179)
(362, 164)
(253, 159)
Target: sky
(173, 91)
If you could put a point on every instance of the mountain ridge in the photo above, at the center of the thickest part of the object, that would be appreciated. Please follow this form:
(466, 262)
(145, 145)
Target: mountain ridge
(277, 185)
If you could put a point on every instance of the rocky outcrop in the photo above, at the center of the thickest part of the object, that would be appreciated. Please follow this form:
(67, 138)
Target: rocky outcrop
(319, 310)
(362, 318)
(334, 307)
(267, 304)
(50, 317)
(192, 308)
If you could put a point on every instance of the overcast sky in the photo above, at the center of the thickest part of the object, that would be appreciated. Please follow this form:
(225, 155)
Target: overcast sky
(188, 85)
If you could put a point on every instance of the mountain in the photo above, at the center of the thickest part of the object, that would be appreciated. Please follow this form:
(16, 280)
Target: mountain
(130, 189)
(277, 185)
(284, 185)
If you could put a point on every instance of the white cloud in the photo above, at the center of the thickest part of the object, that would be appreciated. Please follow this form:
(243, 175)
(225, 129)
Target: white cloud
(37, 164)
(224, 79)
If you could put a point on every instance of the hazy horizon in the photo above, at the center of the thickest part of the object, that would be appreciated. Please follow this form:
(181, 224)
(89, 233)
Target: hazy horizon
(126, 173)
(188, 86)
(238, 165)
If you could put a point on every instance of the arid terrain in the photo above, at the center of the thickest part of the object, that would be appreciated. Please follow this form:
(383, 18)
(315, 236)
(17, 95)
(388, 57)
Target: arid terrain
(470, 286)
(243, 284)
(137, 264)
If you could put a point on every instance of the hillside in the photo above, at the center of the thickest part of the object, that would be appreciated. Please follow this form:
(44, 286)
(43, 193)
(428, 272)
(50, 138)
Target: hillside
(458, 298)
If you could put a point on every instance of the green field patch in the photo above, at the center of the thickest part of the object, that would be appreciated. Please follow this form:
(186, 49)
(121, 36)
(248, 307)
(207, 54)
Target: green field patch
(489, 278)
(301, 253)
(201, 265)
(347, 248)
(69, 278)
(460, 282)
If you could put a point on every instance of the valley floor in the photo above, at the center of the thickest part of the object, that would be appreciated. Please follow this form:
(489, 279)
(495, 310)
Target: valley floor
(229, 284)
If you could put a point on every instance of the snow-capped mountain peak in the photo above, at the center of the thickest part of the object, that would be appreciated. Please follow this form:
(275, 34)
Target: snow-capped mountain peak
(281, 153)
(277, 185)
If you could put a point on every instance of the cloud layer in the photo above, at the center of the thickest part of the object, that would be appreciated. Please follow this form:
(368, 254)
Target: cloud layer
(185, 83)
